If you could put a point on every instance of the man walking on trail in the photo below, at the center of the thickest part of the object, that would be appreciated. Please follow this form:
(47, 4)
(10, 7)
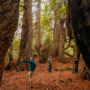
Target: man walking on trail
(50, 64)
(32, 66)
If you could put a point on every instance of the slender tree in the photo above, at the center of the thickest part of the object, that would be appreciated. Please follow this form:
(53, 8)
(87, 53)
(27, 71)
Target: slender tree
(26, 34)
(38, 38)
(9, 10)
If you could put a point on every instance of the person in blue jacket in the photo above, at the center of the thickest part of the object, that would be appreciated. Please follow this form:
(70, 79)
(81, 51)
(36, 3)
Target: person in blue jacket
(32, 66)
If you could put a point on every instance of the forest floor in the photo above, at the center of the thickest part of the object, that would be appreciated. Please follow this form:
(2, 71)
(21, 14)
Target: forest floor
(61, 78)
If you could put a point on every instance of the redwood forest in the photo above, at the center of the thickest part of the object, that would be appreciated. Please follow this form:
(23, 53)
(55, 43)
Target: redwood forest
(44, 44)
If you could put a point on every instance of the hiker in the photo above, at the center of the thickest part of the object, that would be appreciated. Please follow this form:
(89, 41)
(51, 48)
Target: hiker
(32, 66)
(50, 64)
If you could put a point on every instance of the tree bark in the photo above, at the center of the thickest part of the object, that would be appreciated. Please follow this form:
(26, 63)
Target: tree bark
(38, 38)
(56, 38)
(9, 11)
(61, 43)
(80, 18)
(76, 59)
(44, 54)
(85, 74)
(10, 56)
(69, 24)
(25, 51)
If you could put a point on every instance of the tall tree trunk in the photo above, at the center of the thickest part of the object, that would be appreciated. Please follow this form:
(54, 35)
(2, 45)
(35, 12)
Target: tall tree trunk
(61, 44)
(38, 38)
(10, 56)
(56, 38)
(80, 18)
(76, 58)
(26, 35)
(9, 11)
(44, 51)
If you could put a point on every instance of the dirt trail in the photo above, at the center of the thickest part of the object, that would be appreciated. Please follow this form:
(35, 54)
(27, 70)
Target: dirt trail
(43, 80)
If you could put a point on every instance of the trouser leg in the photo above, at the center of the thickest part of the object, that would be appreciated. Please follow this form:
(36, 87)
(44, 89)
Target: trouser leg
(30, 78)
(50, 68)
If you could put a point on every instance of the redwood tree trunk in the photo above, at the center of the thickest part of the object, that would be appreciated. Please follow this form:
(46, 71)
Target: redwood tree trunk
(10, 56)
(56, 38)
(61, 46)
(44, 51)
(76, 58)
(38, 38)
(80, 18)
(61, 42)
(26, 35)
(9, 10)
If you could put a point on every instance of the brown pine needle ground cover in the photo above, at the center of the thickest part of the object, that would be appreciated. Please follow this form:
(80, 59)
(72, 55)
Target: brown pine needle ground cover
(61, 78)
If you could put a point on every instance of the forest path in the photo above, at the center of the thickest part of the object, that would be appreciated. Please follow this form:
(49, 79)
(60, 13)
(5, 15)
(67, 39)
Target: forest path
(44, 80)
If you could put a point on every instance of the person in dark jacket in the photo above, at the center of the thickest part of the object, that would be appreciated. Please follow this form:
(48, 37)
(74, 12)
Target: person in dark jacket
(50, 64)
(32, 66)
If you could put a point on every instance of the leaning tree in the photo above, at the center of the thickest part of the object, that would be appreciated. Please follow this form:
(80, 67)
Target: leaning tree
(9, 11)
(80, 20)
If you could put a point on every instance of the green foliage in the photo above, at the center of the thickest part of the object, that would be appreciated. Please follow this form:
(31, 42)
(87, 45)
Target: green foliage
(21, 6)
(46, 24)
(70, 49)
(48, 17)
(16, 43)
(21, 9)
(62, 10)
(50, 7)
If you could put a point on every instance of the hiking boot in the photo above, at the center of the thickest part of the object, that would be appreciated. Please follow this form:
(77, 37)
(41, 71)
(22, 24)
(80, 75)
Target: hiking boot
(31, 87)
